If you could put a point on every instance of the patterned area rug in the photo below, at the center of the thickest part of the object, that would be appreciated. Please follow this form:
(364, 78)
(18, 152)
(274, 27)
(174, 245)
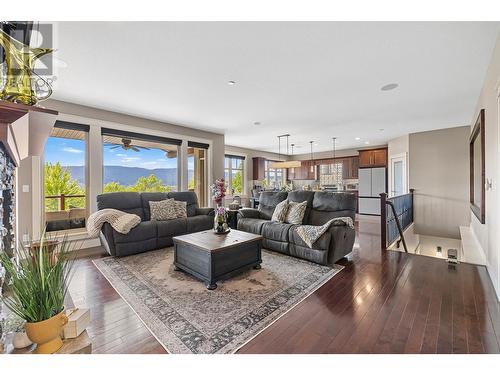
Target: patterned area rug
(185, 317)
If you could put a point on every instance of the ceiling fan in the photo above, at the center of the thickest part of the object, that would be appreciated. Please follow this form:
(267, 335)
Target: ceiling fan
(127, 145)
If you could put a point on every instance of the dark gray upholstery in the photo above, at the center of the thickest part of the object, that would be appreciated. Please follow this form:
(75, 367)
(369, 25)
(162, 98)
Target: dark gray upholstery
(147, 197)
(150, 235)
(333, 245)
(186, 196)
(127, 202)
(251, 225)
(268, 201)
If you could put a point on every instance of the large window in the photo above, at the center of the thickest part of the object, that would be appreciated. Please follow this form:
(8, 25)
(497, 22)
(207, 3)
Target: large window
(65, 183)
(273, 176)
(233, 174)
(132, 162)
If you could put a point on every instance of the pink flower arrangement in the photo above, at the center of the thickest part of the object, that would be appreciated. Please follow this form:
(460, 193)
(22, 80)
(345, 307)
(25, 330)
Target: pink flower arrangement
(218, 191)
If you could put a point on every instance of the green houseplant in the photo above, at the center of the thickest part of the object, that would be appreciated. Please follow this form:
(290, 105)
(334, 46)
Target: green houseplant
(39, 283)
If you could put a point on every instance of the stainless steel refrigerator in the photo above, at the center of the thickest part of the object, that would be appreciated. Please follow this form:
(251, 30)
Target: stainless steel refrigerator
(372, 182)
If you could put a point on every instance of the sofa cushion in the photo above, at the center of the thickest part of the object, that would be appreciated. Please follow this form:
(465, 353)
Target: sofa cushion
(128, 202)
(328, 205)
(148, 197)
(301, 196)
(186, 196)
(268, 201)
(199, 223)
(146, 230)
(276, 231)
(251, 225)
(321, 243)
(171, 228)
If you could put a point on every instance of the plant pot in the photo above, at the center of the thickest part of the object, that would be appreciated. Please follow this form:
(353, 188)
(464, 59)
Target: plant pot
(47, 333)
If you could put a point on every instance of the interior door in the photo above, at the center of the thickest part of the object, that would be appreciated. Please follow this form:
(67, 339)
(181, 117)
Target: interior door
(398, 175)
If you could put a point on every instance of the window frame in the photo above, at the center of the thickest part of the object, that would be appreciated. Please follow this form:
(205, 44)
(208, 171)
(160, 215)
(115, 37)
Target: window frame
(86, 173)
(274, 171)
(229, 170)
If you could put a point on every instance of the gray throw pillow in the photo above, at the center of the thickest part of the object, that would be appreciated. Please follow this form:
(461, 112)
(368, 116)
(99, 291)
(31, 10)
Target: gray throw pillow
(162, 210)
(280, 212)
(296, 212)
(180, 209)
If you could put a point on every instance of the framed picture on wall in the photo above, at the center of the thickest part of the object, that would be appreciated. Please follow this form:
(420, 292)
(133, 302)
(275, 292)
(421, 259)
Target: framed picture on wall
(477, 169)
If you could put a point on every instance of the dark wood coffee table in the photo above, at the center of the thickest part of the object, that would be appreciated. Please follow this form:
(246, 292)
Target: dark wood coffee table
(212, 257)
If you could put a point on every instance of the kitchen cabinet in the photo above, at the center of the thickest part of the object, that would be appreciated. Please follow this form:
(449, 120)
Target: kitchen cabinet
(259, 168)
(373, 158)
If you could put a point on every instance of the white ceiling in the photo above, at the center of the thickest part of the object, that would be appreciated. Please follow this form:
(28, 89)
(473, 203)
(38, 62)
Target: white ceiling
(312, 80)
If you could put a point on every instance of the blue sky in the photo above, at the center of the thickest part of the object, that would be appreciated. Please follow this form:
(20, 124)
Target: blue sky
(71, 152)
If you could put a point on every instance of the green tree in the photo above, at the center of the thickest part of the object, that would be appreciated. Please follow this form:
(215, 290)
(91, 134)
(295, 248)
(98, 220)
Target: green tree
(237, 183)
(113, 187)
(58, 180)
(150, 184)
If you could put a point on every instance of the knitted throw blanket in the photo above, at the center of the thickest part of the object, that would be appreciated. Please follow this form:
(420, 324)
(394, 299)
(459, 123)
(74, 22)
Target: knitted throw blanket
(311, 233)
(121, 221)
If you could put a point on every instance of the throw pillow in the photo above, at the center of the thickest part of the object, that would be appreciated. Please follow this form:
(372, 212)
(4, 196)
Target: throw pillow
(162, 210)
(280, 211)
(296, 212)
(180, 209)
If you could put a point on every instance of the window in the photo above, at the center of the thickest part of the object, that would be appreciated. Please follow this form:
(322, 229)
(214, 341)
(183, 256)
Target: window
(140, 163)
(233, 173)
(274, 177)
(65, 182)
(197, 170)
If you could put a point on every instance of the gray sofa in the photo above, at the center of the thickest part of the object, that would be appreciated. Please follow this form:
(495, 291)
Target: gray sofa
(333, 245)
(150, 235)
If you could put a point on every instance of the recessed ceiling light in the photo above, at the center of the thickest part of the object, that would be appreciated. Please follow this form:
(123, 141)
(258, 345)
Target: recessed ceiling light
(257, 123)
(367, 142)
(357, 138)
(381, 130)
(230, 83)
(389, 87)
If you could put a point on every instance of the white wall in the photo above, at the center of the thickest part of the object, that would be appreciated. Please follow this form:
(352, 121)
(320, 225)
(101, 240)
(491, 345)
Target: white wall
(488, 234)
(439, 173)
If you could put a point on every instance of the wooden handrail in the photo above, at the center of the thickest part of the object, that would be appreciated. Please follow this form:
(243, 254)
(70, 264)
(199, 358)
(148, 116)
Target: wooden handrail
(62, 197)
(384, 202)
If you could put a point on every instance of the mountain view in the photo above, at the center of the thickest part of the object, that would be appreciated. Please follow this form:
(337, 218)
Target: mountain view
(128, 175)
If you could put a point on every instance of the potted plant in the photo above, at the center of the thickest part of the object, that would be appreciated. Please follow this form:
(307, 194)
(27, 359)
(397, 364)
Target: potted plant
(218, 194)
(38, 286)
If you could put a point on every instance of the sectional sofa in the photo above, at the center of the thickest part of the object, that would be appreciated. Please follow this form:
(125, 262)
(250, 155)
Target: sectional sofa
(150, 235)
(333, 245)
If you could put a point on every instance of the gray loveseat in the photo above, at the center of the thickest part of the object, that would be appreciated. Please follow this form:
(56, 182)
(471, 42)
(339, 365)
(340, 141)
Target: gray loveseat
(150, 235)
(333, 245)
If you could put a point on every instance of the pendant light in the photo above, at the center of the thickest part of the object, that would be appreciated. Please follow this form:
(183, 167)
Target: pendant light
(284, 164)
(292, 169)
(312, 159)
(334, 141)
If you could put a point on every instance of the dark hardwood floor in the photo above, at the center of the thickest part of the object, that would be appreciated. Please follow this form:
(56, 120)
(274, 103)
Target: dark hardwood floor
(382, 302)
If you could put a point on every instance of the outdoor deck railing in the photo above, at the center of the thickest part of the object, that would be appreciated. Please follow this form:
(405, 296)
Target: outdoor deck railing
(396, 214)
(62, 199)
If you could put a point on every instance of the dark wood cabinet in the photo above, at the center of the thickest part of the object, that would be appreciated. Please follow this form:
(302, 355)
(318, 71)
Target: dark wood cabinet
(259, 168)
(373, 158)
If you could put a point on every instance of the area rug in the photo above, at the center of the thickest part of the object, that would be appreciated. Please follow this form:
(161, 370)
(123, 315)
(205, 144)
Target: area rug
(185, 317)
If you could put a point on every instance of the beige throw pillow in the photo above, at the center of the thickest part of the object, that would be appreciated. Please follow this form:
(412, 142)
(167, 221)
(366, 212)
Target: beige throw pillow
(296, 212)
(162, 210)
(180, 209)
(280, 211)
